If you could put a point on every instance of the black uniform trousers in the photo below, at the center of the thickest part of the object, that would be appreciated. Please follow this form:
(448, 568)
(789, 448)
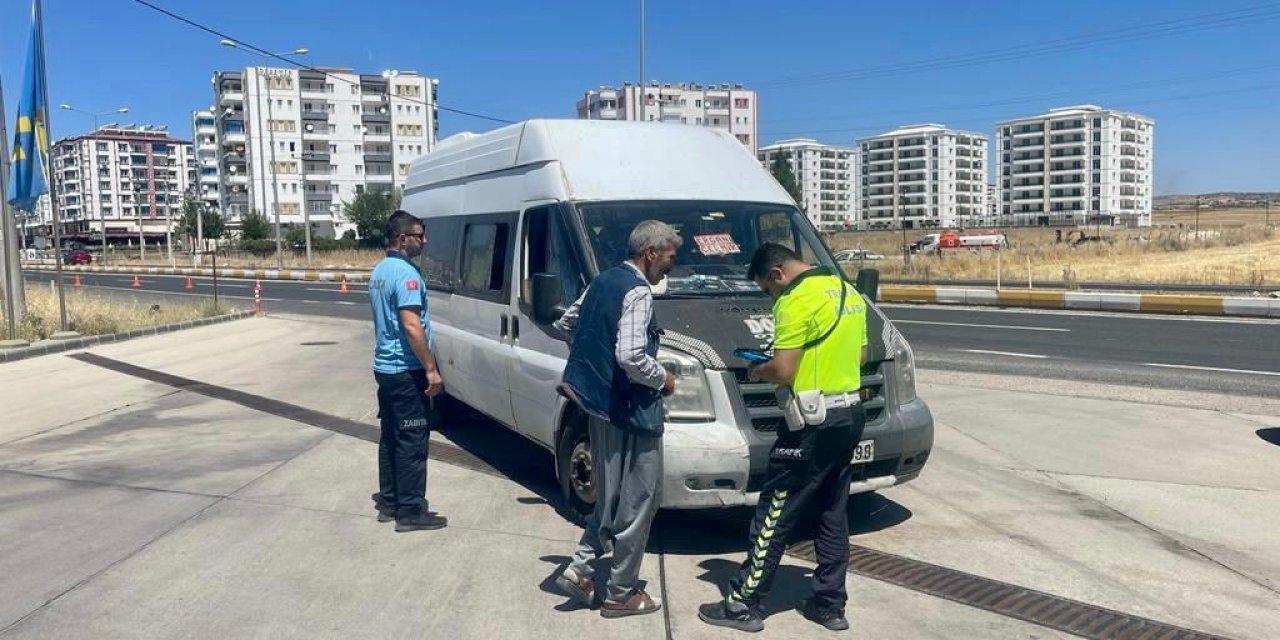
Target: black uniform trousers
(808, 477)
(402, 447)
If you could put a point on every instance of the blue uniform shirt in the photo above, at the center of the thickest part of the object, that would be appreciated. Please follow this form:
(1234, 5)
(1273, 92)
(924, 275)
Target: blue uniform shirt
(396, 284)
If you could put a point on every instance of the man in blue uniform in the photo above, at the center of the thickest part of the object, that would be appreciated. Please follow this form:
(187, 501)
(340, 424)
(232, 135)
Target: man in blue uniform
(405, 369)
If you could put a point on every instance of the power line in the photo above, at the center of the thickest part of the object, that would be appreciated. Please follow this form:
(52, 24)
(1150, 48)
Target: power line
(869, 129)
(1188, 24)
(305, 67)
(1231, 73)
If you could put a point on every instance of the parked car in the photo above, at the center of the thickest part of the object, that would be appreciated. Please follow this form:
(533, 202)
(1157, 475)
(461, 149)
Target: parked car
(856, 255)
(77, 256)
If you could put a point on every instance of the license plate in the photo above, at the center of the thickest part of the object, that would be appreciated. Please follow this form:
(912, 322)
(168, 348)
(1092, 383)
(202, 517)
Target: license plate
(864, 452)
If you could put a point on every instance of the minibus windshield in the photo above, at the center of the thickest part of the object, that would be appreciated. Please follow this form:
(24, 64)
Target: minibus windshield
(719, 239)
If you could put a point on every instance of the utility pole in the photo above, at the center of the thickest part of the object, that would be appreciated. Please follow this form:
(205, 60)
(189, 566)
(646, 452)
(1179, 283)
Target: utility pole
(1197, 218)
(641, 87)
(14, 295)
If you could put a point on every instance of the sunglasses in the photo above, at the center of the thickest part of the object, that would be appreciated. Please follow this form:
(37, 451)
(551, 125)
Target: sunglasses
(420, 236)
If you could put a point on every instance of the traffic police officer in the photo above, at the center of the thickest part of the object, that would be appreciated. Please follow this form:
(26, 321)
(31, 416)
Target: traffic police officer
(405, 370)
(820, 340)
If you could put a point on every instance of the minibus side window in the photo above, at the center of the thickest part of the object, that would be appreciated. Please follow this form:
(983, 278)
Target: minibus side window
(546, 249)
(484, 259)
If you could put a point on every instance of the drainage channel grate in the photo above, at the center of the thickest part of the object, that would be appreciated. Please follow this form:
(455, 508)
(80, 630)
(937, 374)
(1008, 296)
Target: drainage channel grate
(442, 451)
(1070, 616)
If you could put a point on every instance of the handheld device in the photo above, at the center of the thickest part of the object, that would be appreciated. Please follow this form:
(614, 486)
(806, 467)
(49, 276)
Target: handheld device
(752, 355)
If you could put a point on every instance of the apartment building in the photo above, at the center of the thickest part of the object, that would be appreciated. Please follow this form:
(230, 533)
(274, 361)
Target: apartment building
(1076, 165)
(723, 106)
(300, 142)
(204, 147)
(120, 176)
(825, 175)
(922, 176)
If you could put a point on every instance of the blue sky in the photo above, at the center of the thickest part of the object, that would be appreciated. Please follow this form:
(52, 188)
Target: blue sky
(1213, 92)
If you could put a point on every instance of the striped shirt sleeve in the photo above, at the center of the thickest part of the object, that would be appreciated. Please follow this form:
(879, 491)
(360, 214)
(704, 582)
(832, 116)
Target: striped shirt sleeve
(633, 327)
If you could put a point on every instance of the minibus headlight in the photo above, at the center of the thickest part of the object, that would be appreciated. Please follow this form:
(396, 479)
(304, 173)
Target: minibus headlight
(904, 369)
(692, 397)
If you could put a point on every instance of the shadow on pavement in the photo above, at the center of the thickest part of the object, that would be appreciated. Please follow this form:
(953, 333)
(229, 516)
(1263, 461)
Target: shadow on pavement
(791, 584)
(702, 532)
(715, 532)
(1270, 434)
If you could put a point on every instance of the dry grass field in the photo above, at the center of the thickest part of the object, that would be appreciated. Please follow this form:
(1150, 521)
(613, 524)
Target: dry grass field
(97, 315)
(1232, 247)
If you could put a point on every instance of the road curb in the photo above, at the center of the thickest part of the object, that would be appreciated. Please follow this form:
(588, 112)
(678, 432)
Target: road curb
(246, 274)
(1087, 301)
(51, 346)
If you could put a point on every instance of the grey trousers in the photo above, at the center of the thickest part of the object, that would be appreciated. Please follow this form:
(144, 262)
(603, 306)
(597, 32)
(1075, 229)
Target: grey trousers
(626, 475)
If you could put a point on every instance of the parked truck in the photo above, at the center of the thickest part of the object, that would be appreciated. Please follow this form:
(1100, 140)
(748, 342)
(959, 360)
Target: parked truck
(952, 241)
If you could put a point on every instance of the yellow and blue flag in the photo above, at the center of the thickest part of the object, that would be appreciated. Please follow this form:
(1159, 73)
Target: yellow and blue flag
(31, 140)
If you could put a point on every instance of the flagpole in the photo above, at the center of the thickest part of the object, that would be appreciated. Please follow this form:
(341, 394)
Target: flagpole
(14, 298)
(47, 154)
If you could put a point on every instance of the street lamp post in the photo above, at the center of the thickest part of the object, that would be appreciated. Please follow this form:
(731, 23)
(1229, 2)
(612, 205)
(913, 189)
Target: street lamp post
(275, 188)
(95, 115)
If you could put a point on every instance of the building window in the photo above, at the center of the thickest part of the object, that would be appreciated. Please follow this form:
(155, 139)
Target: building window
(359, 169)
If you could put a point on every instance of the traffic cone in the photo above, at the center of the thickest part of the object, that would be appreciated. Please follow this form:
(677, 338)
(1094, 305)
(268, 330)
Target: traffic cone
(137, 284)
(76, 282)
(343, 288)
(190, 285)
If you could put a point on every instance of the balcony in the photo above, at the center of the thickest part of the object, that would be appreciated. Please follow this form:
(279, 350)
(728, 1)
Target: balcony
(237, 198)
(315, 156)
(377, 158)
(234, 138)
(228, 98)
(314, 130)
(238, 178)
(379, 177)
(319, 196)
(322, 116)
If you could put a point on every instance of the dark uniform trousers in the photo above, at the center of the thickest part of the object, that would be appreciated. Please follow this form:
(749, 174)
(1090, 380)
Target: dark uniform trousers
(809, 475)
(402, 449)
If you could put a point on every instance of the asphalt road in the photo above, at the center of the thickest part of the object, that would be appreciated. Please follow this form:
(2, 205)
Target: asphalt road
(1237, 356)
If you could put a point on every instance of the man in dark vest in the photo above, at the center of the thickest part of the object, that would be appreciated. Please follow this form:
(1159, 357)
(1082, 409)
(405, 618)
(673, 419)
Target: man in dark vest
(614, 375)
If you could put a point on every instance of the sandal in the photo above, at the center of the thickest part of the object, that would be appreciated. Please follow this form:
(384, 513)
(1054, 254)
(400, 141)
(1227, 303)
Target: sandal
(636, 604)
(577, 586)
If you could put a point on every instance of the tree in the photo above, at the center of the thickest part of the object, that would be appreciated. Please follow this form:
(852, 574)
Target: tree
(192, 206)
(255, 226)
(781, 170)
(369, 211)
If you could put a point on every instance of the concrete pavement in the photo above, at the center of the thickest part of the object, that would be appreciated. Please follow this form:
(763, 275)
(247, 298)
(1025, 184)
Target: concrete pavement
(134, 509)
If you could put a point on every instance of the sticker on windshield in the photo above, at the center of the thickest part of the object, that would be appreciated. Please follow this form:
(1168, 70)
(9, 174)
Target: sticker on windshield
(717, 244)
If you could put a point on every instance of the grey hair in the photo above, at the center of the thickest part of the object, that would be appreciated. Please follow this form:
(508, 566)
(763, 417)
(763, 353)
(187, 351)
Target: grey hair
(652, 234)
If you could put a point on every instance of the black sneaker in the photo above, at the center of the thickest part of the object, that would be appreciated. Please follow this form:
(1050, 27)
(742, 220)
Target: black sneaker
(421, 522)
(830, 617)
(718, 614)
(385, 513)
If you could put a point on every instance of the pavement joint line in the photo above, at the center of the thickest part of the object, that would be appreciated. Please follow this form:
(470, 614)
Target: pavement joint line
(128, 556)
(216, 500)
(103, 483)
(1145, 480)
(1159, 533)
(79, 420)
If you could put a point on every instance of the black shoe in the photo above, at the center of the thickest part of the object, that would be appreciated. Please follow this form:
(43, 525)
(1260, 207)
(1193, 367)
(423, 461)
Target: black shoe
(830, 617)
(421, 522)
(385, 513)
(717, 613)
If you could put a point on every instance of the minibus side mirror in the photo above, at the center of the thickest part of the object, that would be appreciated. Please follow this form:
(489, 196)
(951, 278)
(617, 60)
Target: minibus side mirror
(868, 283)
(548, 298)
